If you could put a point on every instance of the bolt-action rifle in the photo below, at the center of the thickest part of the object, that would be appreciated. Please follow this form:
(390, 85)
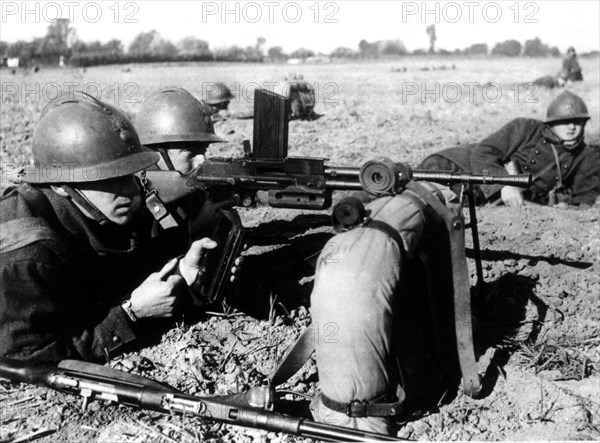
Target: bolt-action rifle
(92, 381)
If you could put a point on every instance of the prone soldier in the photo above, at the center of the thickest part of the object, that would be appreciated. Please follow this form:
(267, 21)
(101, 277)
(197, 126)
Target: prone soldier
(178, 126)
(217, 96)
(564, 168)
(77, 278)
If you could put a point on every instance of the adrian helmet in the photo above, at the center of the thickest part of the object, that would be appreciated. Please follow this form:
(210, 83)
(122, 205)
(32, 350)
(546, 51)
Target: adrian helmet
(216, 93)
(175, 115)
(80, 138)
(567, 106)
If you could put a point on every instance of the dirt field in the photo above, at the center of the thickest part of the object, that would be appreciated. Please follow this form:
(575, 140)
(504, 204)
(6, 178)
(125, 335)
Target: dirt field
(541, 265)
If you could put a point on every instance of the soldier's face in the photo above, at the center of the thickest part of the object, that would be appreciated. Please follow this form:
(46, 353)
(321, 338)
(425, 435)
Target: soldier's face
(186, 156)
(115, 197)
(568, 131)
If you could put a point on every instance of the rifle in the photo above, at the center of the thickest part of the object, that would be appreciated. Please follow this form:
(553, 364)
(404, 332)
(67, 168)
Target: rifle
(92, 381)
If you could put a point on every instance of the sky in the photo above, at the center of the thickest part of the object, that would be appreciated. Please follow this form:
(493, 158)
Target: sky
(317, 25)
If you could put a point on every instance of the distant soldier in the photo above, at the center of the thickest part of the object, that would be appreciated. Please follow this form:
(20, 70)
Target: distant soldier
(570, 67)
(301, 95)
(217, 96)
(564, 168)
(80, 278)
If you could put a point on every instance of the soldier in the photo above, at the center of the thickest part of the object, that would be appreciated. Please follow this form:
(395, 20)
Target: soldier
(564, 168)
(570, 67)
(77, 278)
(373, 338)
(178, 126)
(217, 96)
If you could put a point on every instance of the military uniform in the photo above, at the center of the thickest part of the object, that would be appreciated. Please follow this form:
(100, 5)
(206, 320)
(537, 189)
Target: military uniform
(571, 70)
(534, 148)
(176, 116)
(527, 142)
(64, 273)
(61, 293)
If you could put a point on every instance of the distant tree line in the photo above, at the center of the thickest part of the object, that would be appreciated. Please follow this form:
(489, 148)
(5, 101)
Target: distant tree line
(61, 40)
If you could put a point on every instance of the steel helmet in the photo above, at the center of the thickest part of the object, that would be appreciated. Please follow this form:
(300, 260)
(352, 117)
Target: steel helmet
(79, 139)
(567, 106)
(215, 93)
(175, 115)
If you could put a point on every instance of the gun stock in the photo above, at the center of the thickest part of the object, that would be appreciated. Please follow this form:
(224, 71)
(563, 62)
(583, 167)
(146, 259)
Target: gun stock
(93, 382)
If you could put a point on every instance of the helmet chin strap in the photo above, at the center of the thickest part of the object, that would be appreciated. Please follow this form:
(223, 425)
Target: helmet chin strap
(573, 144)
(86, 204)
(165, 156)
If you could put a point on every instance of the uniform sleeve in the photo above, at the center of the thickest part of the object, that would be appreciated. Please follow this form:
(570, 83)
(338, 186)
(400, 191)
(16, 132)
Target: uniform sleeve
(43, 317)
(585, 188)
(495, 150)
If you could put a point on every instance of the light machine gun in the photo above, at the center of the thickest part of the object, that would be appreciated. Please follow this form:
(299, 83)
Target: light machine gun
(92, 381)
(300, 182)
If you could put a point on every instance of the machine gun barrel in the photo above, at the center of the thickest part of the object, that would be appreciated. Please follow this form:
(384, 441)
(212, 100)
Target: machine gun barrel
(347, 178)
(519, 181)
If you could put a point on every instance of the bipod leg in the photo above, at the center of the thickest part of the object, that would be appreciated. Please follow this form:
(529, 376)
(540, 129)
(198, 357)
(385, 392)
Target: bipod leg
(475, 233)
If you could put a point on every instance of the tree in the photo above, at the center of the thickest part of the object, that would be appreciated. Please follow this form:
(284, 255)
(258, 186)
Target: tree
(430, 30)
(193, 48)
(302, 53)
(509, 48)
(368, 50)
(55, 43)
(276, 53)
(343, 52)
(477, 49)
(151, 44)
(535, 48)
(393, 47)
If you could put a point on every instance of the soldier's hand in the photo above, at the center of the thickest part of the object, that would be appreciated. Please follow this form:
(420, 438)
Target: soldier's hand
(192, 263)
(218, 198)
(512, 196)
(157, 296)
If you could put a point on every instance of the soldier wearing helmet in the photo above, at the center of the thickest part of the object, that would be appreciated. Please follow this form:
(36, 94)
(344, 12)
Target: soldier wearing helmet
(565, 170)
(571, 70)
(178, 126)
(77, 278)
(218, 96)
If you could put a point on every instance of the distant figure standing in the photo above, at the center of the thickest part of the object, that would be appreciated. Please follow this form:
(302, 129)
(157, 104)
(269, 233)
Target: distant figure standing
(61, 62)
(570, 67)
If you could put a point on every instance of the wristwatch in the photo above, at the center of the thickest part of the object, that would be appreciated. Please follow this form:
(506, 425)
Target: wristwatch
(129, 310)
